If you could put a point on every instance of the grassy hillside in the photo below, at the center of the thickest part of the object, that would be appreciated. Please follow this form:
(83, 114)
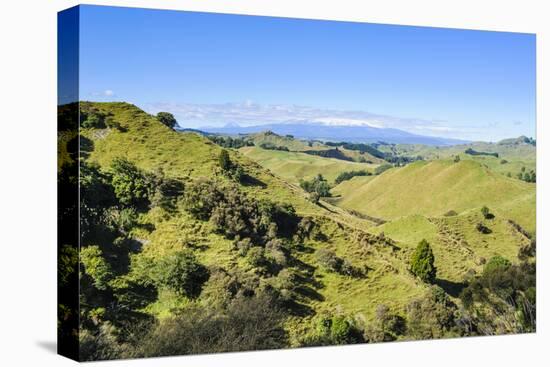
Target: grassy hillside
(436, 187)
(160, 205)
(457, 244)
(513, 154)
(188, 156)
(294, 166)
(296, 145)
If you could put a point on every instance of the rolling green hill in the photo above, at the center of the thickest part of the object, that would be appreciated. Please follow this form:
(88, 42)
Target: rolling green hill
(189, 156)
(294, 166)
(320, 261)
(513, 154)
(435, 187)
(296, 145)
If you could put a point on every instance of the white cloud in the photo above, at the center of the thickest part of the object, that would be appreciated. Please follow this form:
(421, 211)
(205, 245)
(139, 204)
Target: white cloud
(249, 113)
(108, 93)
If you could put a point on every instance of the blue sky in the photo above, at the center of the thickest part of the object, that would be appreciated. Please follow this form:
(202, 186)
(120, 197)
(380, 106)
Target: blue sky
(213, 69)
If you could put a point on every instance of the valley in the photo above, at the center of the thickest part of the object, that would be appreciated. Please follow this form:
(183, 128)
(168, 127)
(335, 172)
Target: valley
(261, 218)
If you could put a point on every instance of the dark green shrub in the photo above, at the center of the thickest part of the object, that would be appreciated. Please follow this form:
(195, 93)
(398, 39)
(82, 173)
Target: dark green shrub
(328, 260)
(496, 263)
(422, 262)
(381, 169)
(224, 160)
(318, 185)
(129, 183)
(167, 119)
(481, 228)
(182, 273)
(486, 213)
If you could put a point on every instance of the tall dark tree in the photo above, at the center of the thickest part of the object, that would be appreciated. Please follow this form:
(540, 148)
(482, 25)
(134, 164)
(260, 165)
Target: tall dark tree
(422, 262)
(167, 119)
(225, 161)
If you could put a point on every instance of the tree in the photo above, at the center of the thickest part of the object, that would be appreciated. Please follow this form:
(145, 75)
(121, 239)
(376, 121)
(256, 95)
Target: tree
(96, 266)
(486, 213)
(225, 161)
(182, 273)
(166, 118)
(496, 263)
(422, 262)
(318, 185)
(431, 316)
(129, 183)
(328, 260)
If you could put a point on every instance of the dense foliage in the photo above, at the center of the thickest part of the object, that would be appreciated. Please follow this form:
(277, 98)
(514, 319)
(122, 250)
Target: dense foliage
(422, 262)
(330, 153)
(365, 148)
(470, 151)
(348, 175)
(203, 259)
(230, 142)
(271, 146)
(318, 185)
(167, 119)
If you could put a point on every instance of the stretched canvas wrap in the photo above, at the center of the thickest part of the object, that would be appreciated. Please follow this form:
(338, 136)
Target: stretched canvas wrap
(234, 183)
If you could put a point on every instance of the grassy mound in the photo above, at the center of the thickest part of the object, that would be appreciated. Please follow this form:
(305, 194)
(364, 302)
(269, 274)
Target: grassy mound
(294, 166)
(436, 187)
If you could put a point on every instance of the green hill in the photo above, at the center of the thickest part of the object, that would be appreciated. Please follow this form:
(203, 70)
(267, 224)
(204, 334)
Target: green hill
(189, 157)
(513, 154)
(436, 187)
(256, 234)
(294, 166)
(269, 138)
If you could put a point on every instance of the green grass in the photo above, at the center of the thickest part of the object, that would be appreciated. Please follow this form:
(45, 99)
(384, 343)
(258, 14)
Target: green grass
(413, 198)
(297, 145)
(294, 166)
(152, 146)
(433, 188)
(517, 155)
(457, 245)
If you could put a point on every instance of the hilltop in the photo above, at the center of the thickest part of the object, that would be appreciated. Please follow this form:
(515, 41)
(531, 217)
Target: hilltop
(155, 199)
(433, 188)
(189, 157)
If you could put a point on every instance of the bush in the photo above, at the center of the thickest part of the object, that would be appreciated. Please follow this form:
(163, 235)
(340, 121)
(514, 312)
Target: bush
(122, 220)
(348, 175)
(225, 161)
(231, 169)
(422, 262)
(328, 260)
(92, 119)
(486, 213)
(481, 228)
(248, 323)
(385, 327)
(129, 183)
(432, 316)
(336, 329)
(201, 197)
(167, 119)
(181, 273)
(112, 124)
(496, 263)
(502, 299)
(96, 266)
(255, 257)
(318, 185)
(381, 169)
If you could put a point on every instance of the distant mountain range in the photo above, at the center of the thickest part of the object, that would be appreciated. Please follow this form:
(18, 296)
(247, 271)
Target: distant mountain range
(328, 132)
